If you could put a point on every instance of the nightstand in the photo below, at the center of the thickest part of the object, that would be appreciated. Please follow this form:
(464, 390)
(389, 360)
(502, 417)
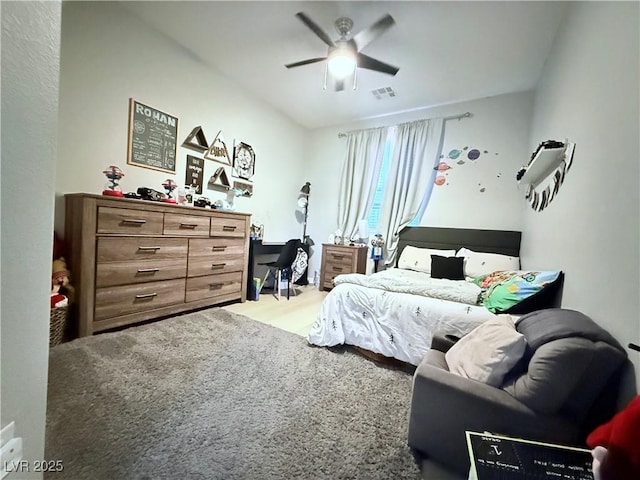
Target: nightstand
(338, 259)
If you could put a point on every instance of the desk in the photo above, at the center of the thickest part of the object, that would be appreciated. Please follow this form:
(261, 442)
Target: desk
(258, 248)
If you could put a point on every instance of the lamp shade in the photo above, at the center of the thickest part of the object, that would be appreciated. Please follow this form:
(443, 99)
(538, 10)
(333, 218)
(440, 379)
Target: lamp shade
(363, 229)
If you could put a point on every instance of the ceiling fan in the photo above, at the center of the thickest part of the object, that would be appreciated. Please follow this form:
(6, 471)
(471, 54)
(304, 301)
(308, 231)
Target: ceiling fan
(344, 56)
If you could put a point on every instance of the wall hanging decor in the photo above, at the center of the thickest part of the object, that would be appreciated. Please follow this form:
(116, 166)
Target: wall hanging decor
(194, 173)
(243, 189)
(196, 141)
(219, 181)
(244, 160)
(218, 151)
(544, 174)
(461, 156)
(152, 138)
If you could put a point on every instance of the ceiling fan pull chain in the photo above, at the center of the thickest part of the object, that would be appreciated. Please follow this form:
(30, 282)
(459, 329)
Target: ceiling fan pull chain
(355, 77)
(326, 69)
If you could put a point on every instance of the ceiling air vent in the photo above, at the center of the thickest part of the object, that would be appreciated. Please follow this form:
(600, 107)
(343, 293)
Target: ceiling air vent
(384, 92)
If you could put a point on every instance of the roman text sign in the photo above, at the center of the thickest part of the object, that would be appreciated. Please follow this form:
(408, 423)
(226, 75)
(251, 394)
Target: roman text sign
(152, 138)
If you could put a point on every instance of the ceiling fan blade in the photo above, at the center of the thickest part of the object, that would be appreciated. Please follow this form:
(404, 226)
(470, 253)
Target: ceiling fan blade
(305, 62)
(369, 63)
(366, 36)
(315, 28)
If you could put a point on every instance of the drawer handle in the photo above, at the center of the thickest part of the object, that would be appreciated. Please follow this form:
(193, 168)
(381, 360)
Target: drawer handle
(217, 266)
(148, 270)
(149, 249)
(339, 257)
(190, 226)
(132, 221)
(216, 286)
(218, 248)
(337, 269)
(228, 228)
(146, 295)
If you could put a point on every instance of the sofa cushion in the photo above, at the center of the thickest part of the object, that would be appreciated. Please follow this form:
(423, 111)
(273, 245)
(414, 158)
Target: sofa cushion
(488, 352)
(571, 360)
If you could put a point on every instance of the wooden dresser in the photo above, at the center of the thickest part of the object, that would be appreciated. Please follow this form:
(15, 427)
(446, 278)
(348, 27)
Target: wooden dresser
(337, 259)
(134, 260)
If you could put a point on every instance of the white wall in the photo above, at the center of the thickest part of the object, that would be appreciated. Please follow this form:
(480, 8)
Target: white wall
(499, 126)
(30, 68)
(109, 55)
(588, 93)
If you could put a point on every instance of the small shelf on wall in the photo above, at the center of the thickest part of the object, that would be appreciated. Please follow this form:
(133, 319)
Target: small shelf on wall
(542, 165)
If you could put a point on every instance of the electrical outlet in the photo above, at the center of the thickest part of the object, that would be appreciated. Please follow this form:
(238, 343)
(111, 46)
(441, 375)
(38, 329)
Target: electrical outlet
(10, 457)
(6, 433)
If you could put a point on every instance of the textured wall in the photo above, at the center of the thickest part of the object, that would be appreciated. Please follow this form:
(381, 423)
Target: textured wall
(30, 72)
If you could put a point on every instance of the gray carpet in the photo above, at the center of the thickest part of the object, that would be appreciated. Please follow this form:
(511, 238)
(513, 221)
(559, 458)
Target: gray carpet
(216, 395)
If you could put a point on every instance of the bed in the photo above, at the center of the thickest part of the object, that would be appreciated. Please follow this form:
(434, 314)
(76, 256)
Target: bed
(394, 313)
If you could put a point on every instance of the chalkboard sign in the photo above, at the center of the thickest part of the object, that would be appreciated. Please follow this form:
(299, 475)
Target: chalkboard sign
(496, 457)
(152, 138)
(194, 173)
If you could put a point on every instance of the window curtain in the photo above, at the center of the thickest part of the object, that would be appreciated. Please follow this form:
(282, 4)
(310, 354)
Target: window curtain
(360, 172)
(410, 179)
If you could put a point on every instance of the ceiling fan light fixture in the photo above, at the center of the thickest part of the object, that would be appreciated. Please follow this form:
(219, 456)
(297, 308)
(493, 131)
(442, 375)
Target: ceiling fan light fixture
(341, 63)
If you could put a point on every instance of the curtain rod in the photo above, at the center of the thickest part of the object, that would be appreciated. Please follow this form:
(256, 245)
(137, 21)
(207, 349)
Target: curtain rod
(452, 117)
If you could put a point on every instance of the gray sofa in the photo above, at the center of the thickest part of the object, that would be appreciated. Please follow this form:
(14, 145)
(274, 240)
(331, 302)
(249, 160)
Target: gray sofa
(548, 396)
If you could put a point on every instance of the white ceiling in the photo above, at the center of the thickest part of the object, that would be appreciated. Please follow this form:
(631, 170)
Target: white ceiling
(447, 52)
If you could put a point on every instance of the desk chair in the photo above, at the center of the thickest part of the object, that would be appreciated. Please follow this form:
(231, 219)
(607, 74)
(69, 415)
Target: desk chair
(282, 264)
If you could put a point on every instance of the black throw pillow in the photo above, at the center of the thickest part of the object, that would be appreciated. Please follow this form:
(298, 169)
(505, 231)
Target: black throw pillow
(451, 268)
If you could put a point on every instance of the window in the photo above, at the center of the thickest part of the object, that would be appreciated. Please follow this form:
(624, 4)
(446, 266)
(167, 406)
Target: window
(373, 218)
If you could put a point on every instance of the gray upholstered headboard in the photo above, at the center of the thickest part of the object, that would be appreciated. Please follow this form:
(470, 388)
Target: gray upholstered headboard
(505, 242)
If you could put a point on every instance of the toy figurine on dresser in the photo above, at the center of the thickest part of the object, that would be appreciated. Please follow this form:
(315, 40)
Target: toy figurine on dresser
(113, 174)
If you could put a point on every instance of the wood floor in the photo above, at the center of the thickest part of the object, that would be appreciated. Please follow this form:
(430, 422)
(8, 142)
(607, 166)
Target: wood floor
(295, 315)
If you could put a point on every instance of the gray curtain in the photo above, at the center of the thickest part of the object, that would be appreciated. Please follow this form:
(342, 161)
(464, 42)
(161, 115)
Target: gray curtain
(359, 177)
(410, 179)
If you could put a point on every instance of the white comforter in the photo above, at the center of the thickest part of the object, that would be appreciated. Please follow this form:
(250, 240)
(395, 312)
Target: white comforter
(396, 312)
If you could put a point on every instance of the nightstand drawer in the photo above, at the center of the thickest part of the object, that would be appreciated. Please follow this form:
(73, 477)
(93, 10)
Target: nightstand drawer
(122, 300)
(186, 225)
(129, 221)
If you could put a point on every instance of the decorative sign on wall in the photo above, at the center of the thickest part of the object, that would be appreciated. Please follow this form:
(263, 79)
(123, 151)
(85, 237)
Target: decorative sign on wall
(244, 160)
(218, 151)
(243, 189)
(152, 138)
(194, 173)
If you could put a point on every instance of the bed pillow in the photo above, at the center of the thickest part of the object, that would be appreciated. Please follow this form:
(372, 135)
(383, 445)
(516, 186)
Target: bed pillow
(481, 263)
(450, 268)
(488, 352)
(518, 291)
(419, 259)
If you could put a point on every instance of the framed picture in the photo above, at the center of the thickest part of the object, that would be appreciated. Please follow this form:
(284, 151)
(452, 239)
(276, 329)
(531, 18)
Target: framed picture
(243, 189)
(244, 160)
(152, 138)
(194, 173)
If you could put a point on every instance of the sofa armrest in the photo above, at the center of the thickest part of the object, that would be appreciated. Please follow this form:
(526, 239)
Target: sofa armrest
(445, 405)
(443, 341)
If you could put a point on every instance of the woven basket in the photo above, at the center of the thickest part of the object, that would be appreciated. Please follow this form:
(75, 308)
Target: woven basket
(58, 324)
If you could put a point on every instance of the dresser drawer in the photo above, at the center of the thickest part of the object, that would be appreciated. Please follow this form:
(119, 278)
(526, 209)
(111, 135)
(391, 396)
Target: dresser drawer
(115, 249)
(186, 225)
(123, 273)
(129, 221)
(227, 227)
(213, 285)
(122, 300)
(215, 255)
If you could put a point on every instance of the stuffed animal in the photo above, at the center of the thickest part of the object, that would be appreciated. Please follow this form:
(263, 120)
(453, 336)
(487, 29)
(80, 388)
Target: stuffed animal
(616, 446)
(61, 288)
